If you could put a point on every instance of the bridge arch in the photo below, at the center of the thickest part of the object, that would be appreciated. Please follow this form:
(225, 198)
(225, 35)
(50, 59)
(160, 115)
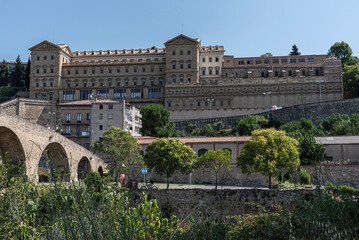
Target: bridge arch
(54, 161)
(83, 168)
(11, 147)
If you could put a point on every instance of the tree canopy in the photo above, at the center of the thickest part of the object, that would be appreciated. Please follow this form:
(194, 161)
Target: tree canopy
(119, 149)
(216, 160)
(169, 156)
(245, 126)
(4, 73)
(294, 51)
(268, 54)
(156, 121)
(268, 152)
(343, 51)
(15, 76)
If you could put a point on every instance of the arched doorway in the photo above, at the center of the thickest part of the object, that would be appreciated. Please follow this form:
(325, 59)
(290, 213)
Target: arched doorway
(202, 151)
(83, 169)
(53, 164)
(100, 171)
(11, 152)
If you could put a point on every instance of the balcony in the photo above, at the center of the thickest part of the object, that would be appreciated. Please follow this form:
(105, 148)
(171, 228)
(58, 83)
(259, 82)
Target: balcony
(75, 122)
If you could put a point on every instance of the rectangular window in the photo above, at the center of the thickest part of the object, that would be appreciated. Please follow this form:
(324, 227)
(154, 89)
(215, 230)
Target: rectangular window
(88, 129)
(77, 72)
(93, 84)
(241, 62)
(189, 66)
(169, 104)
(126, 70)
(52, 57)
(93, 71)
(100, 117)
(154, 93)
(303, 73)
(173, 53)
(276, 73)
(85, 94)
(137, 93)
(310, 60)
(203, 72)
(198, 104)
(290, 72)
(301, 60)
(110, 70)
(37, 70)
(210, 72)
(101, 70)
(68, 95)
(210, 59)
(44, 84)
(100, 127)
(79, 115)
(78, 130)
(284, 60)
(152, 69)
(258, 61)
(250, 62)
(101, 106)
(36, 96)
(262, 74)
(173, 66)
(38, 58)
(181, 52)
(68, 130)
(217, 72)
(110, 106)
(45, 70)
(134, 69)
(43, 97)
(217, 59)
(51, 70)
(88, 116)
(293, 60)
(118, 70)
(51, 96)
(275, 60)
(68, 117)
(45, 57)
(103, 93)
(266, 61)
(143, 69)
(161, 69)
(85, 71)
(229, 103)
(188, 52)
(181, 66)
(203, 59)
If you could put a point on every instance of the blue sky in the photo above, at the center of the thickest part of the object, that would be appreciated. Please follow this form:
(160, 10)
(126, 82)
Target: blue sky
(244, 27)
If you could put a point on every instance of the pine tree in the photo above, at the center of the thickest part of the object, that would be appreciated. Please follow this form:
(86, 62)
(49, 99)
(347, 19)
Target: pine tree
(16, 75)
(4, 73)
(27, 74)
(294, 51)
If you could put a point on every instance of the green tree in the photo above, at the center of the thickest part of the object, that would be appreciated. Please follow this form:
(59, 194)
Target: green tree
(342, 51)
(16, 75)
(207, 131)
(294, 51)
(156, 121)
(216, 160)
(27, 74)
(119, 149)
(218, 125)
(268, 152)
(246, 125)
(268, 54)
(337, 124)
(169, 156)
(4, 73)
(351, 79)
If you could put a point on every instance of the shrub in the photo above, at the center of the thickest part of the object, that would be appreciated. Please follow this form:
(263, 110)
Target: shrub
(93, 182)
(304, 176)
(288, 177)
(280, 177)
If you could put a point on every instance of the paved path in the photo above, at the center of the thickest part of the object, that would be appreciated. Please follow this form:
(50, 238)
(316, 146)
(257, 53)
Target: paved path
(198, 186)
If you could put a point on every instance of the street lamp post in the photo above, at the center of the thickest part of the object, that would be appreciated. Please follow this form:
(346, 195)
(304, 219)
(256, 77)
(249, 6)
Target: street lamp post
(320, 89)
(210, 105)
(266, 94)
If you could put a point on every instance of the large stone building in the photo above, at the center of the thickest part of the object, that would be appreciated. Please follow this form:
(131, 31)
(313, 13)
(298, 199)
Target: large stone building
(191, 80)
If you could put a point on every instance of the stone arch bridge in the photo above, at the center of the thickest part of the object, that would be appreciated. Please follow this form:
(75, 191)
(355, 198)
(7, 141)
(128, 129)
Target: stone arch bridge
(26, 141)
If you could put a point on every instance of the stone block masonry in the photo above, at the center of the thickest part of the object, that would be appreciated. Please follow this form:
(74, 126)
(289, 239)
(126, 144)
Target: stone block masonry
(218, 204)
(315, 111)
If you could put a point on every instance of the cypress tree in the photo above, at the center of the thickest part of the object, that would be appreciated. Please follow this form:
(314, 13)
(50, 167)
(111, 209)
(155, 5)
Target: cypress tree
(4, 73)
(294, 51)
(16, 75)
(27, 74)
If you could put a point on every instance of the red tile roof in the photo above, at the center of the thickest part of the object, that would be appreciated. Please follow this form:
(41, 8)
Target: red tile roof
(147, 140)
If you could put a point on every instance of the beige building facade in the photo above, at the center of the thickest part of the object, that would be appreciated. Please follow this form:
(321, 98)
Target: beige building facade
(85, 121)
(192, 81)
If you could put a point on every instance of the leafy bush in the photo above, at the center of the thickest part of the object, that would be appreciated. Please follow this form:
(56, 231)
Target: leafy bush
(93, 182)
(280, 177)
(304, 176)
(288, 177)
